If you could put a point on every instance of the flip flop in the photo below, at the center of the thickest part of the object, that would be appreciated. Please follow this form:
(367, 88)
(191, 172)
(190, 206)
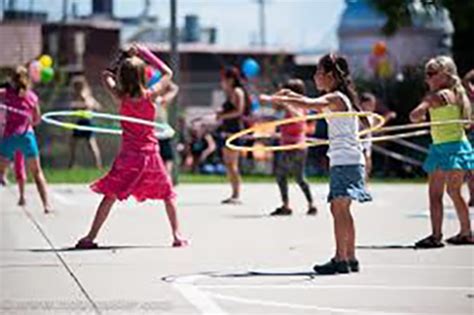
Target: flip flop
(461, 240)
(180, 243)
(86, 244)
(429, 242)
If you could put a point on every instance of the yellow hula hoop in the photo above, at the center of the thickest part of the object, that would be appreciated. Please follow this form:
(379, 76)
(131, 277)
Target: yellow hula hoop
(309, 141)
(423, 125)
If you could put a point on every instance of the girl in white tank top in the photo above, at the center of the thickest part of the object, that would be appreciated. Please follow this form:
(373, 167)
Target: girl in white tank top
(347, 171)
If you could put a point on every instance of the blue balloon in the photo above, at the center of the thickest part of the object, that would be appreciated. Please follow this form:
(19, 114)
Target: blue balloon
(155, 78)
(250, 68)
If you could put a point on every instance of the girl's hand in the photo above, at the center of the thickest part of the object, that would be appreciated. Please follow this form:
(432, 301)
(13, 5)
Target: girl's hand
(133, 50)
(265, 98)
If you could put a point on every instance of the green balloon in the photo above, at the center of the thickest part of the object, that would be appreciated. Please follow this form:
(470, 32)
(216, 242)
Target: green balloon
(47, 75)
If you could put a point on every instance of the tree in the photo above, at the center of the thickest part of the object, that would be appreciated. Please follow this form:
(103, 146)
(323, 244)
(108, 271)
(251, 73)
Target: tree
(462, 16)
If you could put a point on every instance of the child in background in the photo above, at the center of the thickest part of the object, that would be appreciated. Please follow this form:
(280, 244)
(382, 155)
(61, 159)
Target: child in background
(19, 135)
(368, 103)
(292, 162)
(84, 100)
(468, 82)
(451, 155)
(138, 170)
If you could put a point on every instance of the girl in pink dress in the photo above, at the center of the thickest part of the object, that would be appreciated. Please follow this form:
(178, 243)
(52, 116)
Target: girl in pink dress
(138, 170)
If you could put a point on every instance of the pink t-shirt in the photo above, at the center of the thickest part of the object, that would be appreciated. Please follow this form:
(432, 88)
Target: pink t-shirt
(136, 136)
(19, 123)
(293, 133)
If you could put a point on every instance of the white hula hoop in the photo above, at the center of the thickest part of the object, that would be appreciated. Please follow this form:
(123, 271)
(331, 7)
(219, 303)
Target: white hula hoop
(164, 131)
(14, 110)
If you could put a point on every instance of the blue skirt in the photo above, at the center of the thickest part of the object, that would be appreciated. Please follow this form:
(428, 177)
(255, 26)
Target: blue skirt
(348, 181)
(450, 156)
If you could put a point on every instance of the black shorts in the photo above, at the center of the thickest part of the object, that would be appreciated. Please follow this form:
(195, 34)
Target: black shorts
(82, 133)
(166, 150)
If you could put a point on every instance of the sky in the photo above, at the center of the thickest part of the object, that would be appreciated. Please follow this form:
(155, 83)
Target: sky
(303, 25)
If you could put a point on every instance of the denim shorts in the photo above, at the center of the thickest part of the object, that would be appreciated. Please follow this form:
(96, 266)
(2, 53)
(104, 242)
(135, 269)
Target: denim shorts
(26, 143)
(348, 181)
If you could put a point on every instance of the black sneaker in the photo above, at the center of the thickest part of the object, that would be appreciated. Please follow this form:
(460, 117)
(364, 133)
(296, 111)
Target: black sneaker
(332, 267)
(353, 265)
(312, 211)
(282, 211)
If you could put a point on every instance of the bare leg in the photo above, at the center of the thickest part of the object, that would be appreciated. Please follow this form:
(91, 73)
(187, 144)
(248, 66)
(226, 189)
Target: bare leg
(21, 190)
(368, 166)
(100, 216)
(231, 160)
(454, 182)
(470, 184)
(20, 174)
(436, 184)
(3, 170)
(340, 212)
(35, 168)
(171, 212)
(94, 147)
(72, 152)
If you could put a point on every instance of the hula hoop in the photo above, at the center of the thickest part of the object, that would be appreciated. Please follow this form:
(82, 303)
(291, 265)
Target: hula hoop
(14, 110)
(422, 125)
(309, 141)
(165, 131)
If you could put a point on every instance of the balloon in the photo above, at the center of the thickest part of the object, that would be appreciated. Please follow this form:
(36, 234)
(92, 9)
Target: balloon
(384, 68)
(148, 72)
(250, 68)
(379, 49)
(34, 71)
(47, 75)
(155, 78)
(46, 61)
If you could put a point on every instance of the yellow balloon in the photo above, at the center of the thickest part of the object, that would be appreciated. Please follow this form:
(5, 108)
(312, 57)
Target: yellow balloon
(46, 61)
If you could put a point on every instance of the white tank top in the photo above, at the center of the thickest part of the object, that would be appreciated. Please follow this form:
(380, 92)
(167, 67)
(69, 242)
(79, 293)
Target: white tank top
(344, 147)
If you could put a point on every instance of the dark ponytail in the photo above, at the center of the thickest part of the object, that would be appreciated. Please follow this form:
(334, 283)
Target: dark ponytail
(339, 66)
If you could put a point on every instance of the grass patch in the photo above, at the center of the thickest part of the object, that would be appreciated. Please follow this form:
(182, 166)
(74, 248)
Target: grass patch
(88, 175)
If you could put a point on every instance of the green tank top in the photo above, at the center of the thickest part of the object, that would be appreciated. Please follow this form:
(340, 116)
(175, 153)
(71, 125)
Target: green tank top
(449, 132)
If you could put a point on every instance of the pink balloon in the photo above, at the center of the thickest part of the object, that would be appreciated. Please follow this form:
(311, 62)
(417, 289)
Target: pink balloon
(35, 71)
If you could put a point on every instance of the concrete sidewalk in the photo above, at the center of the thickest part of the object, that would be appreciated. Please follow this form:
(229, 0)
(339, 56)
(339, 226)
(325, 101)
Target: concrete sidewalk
(241, 261)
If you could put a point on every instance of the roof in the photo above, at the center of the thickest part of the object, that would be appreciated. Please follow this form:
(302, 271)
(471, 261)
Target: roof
(218, 49)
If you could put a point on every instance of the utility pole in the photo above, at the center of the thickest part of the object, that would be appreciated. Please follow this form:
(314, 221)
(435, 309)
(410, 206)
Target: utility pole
(174, 58)
(262, 30)
(65, 8)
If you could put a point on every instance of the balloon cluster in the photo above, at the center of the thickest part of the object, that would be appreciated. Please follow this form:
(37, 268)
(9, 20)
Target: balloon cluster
(41, 70)
(250, 68)
(152, 76)
(379, 60)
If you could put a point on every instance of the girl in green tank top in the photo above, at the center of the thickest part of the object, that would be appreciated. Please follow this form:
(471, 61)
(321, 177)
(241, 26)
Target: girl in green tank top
(450, 156)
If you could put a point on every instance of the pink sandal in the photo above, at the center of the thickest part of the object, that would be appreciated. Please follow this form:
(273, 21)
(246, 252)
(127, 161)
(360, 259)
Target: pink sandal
(180, 243)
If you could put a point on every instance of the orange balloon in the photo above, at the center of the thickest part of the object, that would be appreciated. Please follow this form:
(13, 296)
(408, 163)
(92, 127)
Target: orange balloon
(379, 49)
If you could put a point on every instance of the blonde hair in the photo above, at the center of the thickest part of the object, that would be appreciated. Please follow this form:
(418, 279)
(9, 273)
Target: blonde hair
(131, 77)
(20, 80)
(446, 65)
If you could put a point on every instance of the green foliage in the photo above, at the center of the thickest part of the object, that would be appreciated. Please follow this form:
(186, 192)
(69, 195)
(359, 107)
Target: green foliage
(397, 14)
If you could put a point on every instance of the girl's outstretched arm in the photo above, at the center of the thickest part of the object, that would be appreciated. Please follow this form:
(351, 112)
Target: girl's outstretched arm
(320, 103)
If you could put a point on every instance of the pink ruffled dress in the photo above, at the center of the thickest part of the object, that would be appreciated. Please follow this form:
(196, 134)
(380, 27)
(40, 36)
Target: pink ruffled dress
(138, 170)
